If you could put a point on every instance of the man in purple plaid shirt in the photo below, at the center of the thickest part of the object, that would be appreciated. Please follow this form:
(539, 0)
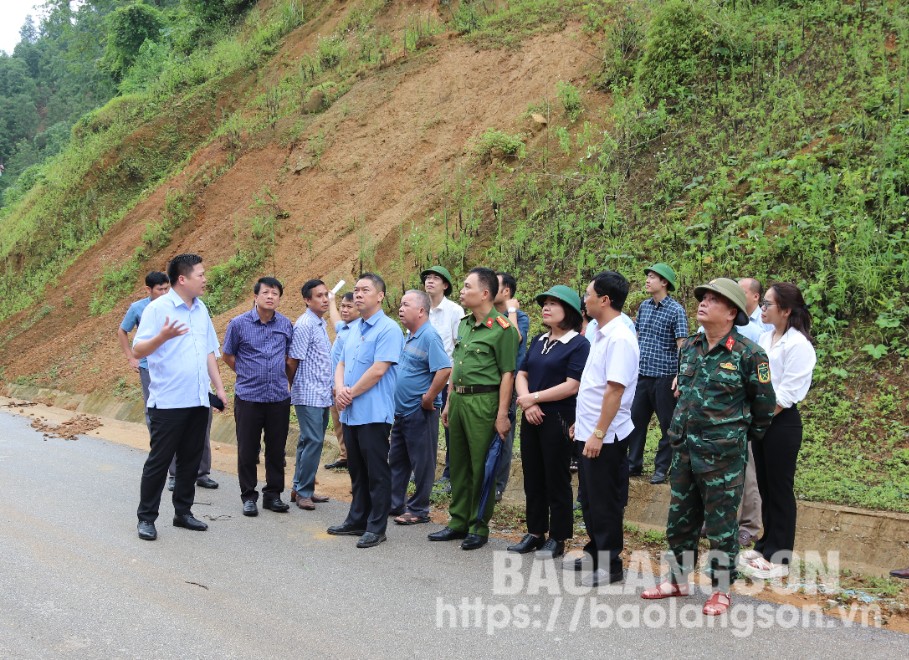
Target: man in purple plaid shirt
(256, 347)
(310, 393)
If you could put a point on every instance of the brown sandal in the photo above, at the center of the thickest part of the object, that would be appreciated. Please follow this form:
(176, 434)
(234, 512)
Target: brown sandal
(410, 519)
(665, 590)
(715, 605)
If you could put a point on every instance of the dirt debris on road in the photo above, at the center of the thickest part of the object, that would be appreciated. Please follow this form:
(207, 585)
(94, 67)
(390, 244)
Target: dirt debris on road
(68, 430)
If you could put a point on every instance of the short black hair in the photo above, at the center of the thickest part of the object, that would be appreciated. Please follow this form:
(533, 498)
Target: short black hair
(268, 281)
(488, 279)
(156, 278)
(572, 320)
(509, 281)
(375, 279)
(612, 284)
(348, 296)
(182, 264)
(309, 286)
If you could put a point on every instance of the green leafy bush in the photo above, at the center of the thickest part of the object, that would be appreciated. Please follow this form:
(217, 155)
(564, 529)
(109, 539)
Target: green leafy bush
(571, 99)
(495, 142)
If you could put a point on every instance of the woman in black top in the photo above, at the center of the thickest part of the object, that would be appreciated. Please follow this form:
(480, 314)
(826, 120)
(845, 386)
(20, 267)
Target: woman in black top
(547, 385)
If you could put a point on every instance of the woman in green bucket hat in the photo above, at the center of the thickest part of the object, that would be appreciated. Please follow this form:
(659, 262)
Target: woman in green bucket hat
(547, 386)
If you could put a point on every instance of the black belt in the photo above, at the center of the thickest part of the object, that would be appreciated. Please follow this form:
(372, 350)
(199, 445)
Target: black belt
(475, 389)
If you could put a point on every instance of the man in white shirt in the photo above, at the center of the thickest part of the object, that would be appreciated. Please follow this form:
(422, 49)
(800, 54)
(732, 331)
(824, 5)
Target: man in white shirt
(754, 291)
(179, 340)
(444, 316)
(603, 424)
(750, 510)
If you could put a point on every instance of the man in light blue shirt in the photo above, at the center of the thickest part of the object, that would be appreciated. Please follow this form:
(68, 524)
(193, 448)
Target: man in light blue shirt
(156, 284)
(343, 320)
(364, 393)
(422, 375)
(177, 336)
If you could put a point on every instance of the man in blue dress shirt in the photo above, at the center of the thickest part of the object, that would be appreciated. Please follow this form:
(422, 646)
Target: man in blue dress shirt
(422, 375)
(256, 347)
(177, 336)
(365, 390)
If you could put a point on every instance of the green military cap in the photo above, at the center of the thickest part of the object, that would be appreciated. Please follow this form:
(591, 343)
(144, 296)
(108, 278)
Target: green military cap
(664, 271)
(731, 291)
(563, 293)
(442, 272)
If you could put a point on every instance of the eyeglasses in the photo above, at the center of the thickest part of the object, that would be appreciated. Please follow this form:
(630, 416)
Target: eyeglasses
(766, 303)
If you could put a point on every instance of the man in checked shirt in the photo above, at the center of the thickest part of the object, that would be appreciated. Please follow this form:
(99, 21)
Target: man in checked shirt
(256, 347)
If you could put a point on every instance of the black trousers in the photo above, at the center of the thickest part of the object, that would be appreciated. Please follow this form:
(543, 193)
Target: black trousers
(546, 459)
(775, 457)
(604, 491)
(370, 476)
(653, 395)
(253, 419)
(176, 432)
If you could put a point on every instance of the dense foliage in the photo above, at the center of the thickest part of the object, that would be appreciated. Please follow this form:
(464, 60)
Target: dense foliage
(727, 137)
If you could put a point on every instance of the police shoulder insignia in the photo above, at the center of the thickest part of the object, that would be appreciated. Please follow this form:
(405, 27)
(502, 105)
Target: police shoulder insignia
(503, 322)
(728, 366)
(763, 372)
(730, 343)
(488, 323)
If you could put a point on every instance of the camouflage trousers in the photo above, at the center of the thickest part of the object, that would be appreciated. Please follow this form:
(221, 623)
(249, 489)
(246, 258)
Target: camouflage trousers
(710, 499)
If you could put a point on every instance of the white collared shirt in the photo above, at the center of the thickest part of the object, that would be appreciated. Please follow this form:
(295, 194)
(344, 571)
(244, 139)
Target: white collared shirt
(445, 319)
(567, 337)
(792, 361)
(178, 369)
(592, 326)
(614, 357)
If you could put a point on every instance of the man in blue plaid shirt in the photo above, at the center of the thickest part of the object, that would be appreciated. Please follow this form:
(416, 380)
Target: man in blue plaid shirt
(310, 393)
(256, 345)
(662, 327)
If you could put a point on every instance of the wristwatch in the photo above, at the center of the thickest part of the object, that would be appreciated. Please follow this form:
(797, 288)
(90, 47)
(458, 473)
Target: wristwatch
(512, 310)
(536, 396)
(598, 434)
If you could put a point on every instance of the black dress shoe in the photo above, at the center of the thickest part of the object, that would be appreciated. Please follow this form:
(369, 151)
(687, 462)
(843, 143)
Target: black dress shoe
(473, 541)
(370, 540)
(276, 504)
(582, 563)
(345, 530)
(635, 473)
(250, 509)
(658, 478)
(551, 549)
(171, 482)
(337, 465)
(206, 482)
(600, 576)
(446, 534)
(527, 544)
(147, 531)
(188, 521)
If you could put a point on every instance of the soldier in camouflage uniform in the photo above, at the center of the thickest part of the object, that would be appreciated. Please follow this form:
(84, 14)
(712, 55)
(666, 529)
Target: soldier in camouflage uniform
(725, 401)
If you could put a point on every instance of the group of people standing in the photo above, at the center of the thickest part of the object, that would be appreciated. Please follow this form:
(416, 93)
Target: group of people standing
(587, 388)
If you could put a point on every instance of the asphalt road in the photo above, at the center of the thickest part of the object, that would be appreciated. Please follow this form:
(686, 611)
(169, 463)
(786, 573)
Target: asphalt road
(77, 582)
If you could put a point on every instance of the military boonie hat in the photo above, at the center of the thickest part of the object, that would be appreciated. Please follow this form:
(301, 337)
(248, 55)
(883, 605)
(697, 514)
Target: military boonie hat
(664, 271)
(563, 293)
(441, 271)
(731, 291)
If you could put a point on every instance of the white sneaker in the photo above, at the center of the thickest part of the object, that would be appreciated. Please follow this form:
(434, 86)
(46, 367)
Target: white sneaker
(746, 556)
(764, 570)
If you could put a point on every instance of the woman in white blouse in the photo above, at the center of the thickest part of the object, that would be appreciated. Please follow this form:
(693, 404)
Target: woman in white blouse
(792, 361)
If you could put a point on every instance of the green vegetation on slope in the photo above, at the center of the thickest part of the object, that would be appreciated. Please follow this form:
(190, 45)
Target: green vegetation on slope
(766, 138)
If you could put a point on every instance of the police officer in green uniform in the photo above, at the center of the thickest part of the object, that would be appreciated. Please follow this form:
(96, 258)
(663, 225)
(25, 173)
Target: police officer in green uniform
(479, 395)
(725, 401)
